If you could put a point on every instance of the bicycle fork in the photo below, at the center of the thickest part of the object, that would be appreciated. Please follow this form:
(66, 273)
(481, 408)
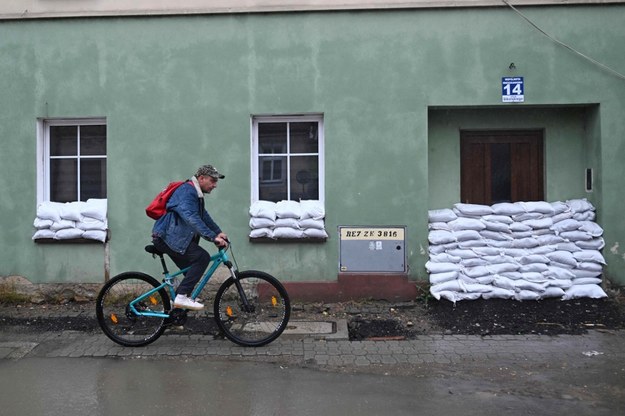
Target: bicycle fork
(234, 274)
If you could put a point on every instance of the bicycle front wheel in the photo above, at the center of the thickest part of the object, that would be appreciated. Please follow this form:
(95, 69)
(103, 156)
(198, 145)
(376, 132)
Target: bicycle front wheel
(259, 318)
(116, 317)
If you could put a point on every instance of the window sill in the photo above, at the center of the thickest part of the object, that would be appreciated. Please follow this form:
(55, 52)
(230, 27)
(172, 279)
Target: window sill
(267, 240)
(73, 240)
(68, 241)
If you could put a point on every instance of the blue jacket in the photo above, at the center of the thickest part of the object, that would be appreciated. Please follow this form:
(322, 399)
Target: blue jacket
(185, 219)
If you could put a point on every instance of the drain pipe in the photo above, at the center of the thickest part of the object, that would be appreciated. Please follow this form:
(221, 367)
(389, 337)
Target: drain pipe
(107, 257)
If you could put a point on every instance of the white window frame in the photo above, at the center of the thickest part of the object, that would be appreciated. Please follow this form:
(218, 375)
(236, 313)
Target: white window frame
(296, 118)
(43, 150)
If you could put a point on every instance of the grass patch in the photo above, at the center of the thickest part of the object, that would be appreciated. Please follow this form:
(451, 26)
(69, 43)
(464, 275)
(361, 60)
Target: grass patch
(8, 296)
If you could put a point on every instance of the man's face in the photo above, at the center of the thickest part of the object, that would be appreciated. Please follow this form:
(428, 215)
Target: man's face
(207, 183)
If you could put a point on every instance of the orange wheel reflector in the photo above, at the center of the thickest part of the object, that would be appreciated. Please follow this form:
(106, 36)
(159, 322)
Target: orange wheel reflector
(274, 301)
(229, 311)
(153, 300)
(114, 318)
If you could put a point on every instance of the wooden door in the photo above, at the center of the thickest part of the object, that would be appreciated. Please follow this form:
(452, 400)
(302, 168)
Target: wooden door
(501, 166)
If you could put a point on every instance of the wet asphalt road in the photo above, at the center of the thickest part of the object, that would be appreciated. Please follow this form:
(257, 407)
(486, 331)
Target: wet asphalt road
(66, 386)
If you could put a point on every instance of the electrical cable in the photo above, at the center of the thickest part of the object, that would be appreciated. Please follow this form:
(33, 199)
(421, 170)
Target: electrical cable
(599, 64)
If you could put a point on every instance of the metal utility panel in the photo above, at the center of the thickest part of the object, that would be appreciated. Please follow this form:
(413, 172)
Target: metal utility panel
(372, 249)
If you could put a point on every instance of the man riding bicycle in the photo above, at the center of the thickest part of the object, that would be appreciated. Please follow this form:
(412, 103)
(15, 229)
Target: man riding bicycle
(178, 232)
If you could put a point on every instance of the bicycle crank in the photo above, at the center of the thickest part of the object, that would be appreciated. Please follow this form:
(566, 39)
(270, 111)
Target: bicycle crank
(178, 317)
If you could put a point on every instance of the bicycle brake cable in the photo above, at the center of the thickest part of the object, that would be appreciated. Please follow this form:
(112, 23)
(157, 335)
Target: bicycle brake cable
(234, 260)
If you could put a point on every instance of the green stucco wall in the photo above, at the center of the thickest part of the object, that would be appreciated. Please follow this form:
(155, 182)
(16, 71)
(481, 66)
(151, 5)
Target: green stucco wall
(178, 92)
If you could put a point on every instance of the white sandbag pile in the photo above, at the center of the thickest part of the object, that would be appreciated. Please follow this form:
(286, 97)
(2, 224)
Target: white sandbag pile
(522, 251)
(287, 219)
(71, 220)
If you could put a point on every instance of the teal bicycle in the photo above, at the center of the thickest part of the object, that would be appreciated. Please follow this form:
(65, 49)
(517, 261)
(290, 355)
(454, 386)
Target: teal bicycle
(251, 308)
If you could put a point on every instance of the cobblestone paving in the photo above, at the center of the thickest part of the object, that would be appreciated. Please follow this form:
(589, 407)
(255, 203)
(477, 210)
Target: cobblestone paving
(432, 350)
(303, 351)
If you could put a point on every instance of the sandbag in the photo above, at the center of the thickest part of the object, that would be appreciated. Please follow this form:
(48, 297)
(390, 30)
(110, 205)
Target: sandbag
(315, 233)
(589, 255)
(261, 232)
(552, 292)
(68, 234)
(95, 208)
(584, 291)
(287, 222)
(263, 209)
(592, 228)
(261, 222)
(98, 235)
(580, 205)
(312, 209)
(460, 224)
(312, 223)
(288, 209)
(440, 237)
(286, 232)
(474, 210)
(441, 215)
(541, 207)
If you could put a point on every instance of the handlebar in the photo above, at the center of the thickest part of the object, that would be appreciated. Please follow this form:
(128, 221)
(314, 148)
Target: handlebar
(222, 248)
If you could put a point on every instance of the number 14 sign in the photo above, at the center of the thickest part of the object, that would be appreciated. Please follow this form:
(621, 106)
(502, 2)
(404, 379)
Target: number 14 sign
(512, 90)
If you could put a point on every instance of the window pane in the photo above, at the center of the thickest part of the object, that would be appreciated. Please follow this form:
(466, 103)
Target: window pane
(500, 172)
(63, 186)
(271, 138)
(304, 177)
(63, 140)
(93, 140)
(92, 178)
(304, 137)
(272, 178)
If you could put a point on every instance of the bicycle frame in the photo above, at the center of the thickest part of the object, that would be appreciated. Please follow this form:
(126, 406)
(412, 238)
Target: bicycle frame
(215, 261)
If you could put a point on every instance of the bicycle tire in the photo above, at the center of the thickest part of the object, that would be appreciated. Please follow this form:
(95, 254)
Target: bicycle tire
(118, 322)
(266, 320)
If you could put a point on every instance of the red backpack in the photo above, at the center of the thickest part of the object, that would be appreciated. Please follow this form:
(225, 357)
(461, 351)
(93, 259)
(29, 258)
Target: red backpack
(158, 207)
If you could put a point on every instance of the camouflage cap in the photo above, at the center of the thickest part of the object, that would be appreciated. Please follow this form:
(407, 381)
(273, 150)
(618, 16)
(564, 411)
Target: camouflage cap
(208, 170)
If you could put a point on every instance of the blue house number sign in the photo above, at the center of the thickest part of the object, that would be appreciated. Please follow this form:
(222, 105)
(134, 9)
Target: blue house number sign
(512, 90)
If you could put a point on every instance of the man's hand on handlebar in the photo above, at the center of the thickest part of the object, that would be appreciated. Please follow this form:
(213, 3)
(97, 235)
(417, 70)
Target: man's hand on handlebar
(221, 240)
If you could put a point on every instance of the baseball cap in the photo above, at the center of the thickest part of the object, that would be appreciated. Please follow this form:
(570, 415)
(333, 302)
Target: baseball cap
(209, 170)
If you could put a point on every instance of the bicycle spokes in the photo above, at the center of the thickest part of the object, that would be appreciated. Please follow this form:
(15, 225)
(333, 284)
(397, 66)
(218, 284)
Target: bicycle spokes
(122, 318)
(252, 310)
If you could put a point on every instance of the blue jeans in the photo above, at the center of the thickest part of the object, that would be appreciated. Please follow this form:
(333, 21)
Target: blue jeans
(194, 256)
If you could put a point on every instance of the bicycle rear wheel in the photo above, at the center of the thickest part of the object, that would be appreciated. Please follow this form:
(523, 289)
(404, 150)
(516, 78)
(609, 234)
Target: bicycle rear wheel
(116, 318)
(266, 315)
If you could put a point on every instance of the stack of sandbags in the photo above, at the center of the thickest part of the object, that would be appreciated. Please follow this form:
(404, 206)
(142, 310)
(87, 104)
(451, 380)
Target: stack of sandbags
(71, 220)
(287, 219)
(523, 251)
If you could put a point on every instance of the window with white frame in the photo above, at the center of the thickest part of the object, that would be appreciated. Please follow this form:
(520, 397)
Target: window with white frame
(287, 178)
(287, 162)
(73, 160)
(71, 181)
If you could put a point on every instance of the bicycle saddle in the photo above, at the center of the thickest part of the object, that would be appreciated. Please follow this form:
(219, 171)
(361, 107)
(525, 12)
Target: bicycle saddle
(153, 250)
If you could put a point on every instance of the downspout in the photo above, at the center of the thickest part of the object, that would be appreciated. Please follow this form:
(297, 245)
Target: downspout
(107, 258)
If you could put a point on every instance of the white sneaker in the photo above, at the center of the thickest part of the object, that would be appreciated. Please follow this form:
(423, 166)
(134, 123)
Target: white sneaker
(185, 302)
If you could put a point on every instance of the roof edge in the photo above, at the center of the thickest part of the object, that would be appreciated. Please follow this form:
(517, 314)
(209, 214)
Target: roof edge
(45, 9)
